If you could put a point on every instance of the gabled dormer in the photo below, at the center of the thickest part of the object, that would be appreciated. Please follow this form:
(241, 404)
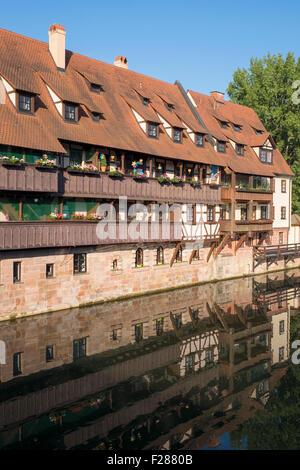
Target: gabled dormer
(23, 101)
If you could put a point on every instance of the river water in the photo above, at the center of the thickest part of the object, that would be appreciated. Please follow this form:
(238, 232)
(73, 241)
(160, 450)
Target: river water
(206, 367)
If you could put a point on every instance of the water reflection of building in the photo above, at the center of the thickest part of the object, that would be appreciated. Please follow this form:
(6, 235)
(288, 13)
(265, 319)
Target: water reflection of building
(200, 365)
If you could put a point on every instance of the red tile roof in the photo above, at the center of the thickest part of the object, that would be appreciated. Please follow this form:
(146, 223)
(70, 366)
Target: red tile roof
(212, 111)
(27, 64)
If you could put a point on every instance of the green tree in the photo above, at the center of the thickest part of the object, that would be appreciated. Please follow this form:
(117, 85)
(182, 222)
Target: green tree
(267, 87)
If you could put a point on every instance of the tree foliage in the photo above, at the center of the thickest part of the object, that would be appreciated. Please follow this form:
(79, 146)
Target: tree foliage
(267, 87)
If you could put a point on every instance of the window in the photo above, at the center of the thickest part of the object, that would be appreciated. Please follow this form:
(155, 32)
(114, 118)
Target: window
(280, 238)
(96, 116)
(281, 353)
(79, 263)
(152, 130)
(237, 128)
(221, 146)
(254, 213)
(115, 264)
(189, 363)
(49, 270)
(191, 213)
(264, 212)
(196, 255)
(138, 332)
(239, 149)
(210, 214)
(70, 112)
(223, 124)
(160, 255)
(178, 320)
(200, 140)
(17, 271)
(258, 131)
(79, 348)
(95, 88)
(146, 101)
(208, 357)
(114, 335)
(283, 186)
(49, 353)
(25, 103)
(177, 135)
(17, 370)
(139, 258)
(178, 257)
(195, 314)
(244, 213)
(281, 327)
(159, 326)
(265, 155)
(283, 213)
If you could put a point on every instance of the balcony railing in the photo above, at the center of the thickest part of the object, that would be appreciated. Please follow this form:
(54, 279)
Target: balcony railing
(242, 226)
(246, 194)
(27, 235)
(29, 177)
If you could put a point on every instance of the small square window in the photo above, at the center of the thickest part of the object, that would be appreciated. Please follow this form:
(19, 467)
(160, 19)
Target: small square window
(17, 271)
(49, 270)
(152, 130)
(70, 112)
(49, 353)
(17, 369)
(25, 103)
(200, 140)
(79, 348)
(221, 146)
(79, 263)
(240, 149)
(177, 135)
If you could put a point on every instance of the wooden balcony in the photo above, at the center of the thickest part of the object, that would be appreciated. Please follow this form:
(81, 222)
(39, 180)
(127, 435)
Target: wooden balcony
(28, 235)
(28, 177)
(228, 193)
(105, 186)
(243, 226)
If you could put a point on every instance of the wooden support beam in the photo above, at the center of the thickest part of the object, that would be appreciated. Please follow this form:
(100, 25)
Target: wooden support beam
(222, 244)
(191, 257)
(192, 318)
(210, 313)
(238, 312)
(175, 253)
(210, 251)
(240, 242)
(220, 317)
(174, 325)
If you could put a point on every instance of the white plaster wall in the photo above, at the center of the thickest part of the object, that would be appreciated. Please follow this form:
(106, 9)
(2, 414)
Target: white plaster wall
(282, 199)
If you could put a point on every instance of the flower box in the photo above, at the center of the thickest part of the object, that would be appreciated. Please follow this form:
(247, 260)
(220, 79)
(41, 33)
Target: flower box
(86, 172)
(115, 174)
(164, 179)
(139, 177)
(195, 183)
(177, 180)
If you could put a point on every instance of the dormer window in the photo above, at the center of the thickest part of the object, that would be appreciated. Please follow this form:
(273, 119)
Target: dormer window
(223, 124)
(239, 149)
(95, 88)
(237, 128)
(177, 135)
(266, 155)
(169, 106)
(221, 146)
(146, 101)
(152, 130)
(25, 102)
(71, 112)
(258, 131)
(96, 116)
(200, 140)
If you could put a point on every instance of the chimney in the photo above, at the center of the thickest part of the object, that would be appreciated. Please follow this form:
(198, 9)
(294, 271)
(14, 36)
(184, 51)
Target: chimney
(57, 45)
(121, 61)
(218, 96)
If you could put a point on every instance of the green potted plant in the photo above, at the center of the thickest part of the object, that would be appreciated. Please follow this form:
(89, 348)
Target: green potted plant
(103, 162)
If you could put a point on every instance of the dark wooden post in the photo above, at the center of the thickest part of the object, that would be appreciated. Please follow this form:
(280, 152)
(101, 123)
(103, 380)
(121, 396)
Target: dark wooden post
(20, 210)
(180, 169)
(150, 167)
(123, 163)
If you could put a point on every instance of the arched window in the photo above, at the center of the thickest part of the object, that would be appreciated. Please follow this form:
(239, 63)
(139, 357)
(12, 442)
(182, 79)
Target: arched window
(178, 258)
(196, 255)
(139, 258)
(160, 255)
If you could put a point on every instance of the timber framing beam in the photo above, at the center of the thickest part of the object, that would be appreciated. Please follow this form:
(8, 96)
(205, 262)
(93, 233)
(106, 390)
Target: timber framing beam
(175, 252)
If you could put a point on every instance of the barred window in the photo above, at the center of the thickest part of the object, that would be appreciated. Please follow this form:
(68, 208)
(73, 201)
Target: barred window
(79, 263)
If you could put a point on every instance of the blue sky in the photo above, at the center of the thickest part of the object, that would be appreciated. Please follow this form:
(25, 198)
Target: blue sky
(200, 43)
